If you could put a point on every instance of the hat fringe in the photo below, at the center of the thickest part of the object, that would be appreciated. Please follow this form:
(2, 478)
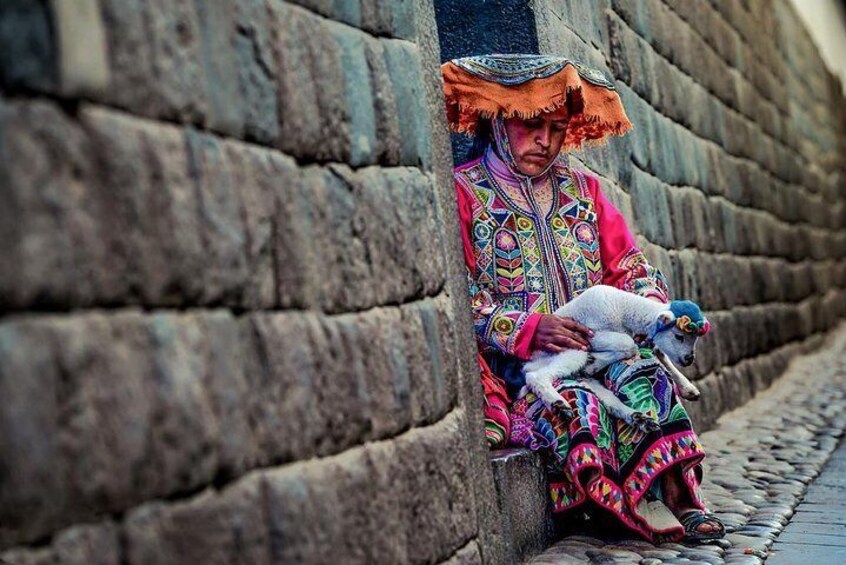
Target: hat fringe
(597, 110)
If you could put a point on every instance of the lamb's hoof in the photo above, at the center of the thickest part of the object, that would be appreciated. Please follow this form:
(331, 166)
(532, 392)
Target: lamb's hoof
(691, 394)
(562, 409)
(644, 423)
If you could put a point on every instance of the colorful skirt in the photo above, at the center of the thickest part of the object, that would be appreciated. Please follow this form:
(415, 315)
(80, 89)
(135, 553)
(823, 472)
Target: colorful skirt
(596, 457)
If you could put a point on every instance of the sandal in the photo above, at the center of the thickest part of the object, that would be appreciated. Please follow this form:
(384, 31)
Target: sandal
(692, 519)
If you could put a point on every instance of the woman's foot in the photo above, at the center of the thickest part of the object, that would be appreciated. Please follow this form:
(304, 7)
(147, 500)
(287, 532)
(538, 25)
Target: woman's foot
(700, 525)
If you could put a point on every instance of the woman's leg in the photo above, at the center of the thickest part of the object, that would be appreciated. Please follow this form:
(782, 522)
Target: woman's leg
(664, 454)
(677, 498)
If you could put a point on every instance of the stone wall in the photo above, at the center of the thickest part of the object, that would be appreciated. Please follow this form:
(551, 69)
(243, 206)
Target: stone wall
(733, 176)
(232, 329)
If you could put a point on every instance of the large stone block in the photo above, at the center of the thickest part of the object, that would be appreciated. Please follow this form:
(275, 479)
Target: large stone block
(181, 406)
(348, 504)
(639, 113)
(281, 372)
(405, 69)
(139, 412)
(154, 207)
(652, 210)
(259, 177)
(211, 527)
(403, 501)
(358, 92)
(437, 505)
(257, 83)
(89, 544)
(711, 280)
(386, 371)
(220, 60)
(227, 389)
(422, 222)
(323, 384)
(299, 531)
(107, 437)
(707, 355)
(523, 500)
(221, 227)
(58, 253)
(344, 273)
(691, 270)
(80, 48)
(400, 263)
(584, 17)
(384, 253)
(310, 84)
(32, 489)
(386, 114)
(156, 59)
(430, 395)
(393, 18)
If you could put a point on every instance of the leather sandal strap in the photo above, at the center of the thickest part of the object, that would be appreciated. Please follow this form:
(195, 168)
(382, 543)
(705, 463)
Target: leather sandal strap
(692, 519)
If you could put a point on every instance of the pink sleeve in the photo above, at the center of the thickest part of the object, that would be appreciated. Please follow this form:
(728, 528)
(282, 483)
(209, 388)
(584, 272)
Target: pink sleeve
(624, 264)
(523, 342)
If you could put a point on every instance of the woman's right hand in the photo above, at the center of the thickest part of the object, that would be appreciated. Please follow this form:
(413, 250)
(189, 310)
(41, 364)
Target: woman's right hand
(555, 334)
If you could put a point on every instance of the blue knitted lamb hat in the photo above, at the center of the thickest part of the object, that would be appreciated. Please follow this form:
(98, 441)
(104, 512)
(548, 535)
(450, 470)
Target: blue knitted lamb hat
(689, 318)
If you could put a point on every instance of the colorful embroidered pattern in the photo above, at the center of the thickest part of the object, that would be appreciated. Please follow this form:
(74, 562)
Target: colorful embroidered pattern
(537, 244)
(626, 460)
(510, 69)
(642, 278)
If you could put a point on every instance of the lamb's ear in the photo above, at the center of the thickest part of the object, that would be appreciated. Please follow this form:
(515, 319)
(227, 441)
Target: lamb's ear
(665, 320)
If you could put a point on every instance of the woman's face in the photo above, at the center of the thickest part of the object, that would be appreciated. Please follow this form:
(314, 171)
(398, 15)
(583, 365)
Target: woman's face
(536, 142)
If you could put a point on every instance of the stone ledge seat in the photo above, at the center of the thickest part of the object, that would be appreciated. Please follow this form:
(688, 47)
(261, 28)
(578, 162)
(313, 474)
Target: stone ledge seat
(522, 500)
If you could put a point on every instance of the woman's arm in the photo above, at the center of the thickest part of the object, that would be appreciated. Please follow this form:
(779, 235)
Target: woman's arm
(624, 264)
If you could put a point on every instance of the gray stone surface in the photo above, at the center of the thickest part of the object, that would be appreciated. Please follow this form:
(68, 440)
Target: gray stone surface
(521, 495)
(817, 530)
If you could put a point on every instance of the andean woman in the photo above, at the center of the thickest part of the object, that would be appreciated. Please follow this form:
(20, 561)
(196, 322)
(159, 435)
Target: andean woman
(536, 233)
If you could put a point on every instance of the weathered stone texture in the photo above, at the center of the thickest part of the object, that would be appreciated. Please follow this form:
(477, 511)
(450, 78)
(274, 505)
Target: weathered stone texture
(407, 500)
(132, 210)
(232, 321)
(204, 396)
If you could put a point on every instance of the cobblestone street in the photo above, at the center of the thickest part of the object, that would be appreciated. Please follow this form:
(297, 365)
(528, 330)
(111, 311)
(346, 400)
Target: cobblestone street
(817, 531)
(761, 460)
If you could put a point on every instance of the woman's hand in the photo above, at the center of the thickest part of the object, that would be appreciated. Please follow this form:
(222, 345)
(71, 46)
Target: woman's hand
(555, 334)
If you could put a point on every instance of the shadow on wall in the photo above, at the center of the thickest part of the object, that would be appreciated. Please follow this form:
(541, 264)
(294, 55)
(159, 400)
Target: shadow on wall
(476, 28)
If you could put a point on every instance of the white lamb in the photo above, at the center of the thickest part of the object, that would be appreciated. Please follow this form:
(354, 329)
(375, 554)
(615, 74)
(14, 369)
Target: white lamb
(616, 316)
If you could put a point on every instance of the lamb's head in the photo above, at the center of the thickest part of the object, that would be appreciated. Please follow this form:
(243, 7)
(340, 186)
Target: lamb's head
(677, 331)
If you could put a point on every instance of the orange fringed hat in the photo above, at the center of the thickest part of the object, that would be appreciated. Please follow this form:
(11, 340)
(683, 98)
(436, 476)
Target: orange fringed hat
(513, 85)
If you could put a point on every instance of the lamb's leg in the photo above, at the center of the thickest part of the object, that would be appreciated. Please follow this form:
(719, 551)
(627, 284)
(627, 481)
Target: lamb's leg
(686, 388)
(608, 348)
(619, 410)
(542, 371)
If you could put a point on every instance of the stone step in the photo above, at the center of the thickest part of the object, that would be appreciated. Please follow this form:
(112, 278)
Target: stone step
(521, 491)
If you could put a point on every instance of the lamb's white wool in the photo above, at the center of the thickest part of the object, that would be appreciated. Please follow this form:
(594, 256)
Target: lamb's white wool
(615, 316)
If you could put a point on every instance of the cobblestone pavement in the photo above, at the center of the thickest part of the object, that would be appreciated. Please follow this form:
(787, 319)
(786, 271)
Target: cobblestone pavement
(817, 531)
(761, 459)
